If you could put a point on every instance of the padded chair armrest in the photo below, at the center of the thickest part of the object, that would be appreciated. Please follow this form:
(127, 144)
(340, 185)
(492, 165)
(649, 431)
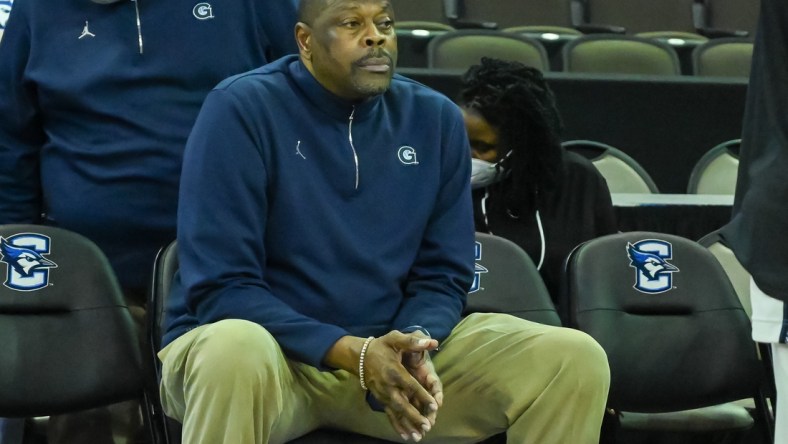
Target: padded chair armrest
(713, 33)
(471, 24)
(594, 28)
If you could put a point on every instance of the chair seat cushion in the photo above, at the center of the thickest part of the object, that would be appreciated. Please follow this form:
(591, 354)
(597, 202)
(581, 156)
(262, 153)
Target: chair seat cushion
(721, 417)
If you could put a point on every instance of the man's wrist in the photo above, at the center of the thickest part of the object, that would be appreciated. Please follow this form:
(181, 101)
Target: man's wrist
(414, 328)
(345, 354)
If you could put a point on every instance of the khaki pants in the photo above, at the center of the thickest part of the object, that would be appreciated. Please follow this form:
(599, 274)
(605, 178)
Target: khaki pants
(229, 382)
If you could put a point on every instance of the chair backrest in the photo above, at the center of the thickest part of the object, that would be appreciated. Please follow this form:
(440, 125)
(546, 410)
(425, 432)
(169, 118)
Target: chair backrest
(420, 10)
(622, 172)
(540, 30)
(421, 25)
(164, 269)
(507, 281)
(733, 15)
(717, 170)
(508, 13)
(663, 309)
(642, 15)
(69, 342)
(464, 48)
(738, 275)
(620, 54)
(723, 57)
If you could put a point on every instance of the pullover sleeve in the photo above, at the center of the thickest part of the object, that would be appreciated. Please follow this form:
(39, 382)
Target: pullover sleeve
(221, 231)
(439, 280)
(21, 132)
(278, 19)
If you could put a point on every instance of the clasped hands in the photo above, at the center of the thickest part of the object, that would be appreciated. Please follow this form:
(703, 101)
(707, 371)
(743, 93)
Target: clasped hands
(400, 374)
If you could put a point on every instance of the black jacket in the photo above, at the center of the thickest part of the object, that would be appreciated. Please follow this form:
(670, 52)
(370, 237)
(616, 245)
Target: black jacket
(758, 230)
(580, 210)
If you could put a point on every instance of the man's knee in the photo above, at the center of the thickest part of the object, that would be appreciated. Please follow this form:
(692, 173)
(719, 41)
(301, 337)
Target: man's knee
(234, 349)
(579, 354)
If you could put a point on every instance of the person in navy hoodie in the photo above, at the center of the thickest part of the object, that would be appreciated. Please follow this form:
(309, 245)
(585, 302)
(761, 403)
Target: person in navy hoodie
(5, 10)
(326, 243)
(757, 230)
(97, 99)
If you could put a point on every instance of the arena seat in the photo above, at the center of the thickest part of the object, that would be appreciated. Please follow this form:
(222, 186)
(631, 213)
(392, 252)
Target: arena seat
(677, 338)
(620, 54)
(731, 18)
(723, 57)
(461, 49)
(622, 173)
(716, 172)
(69, 341)
(638, 16)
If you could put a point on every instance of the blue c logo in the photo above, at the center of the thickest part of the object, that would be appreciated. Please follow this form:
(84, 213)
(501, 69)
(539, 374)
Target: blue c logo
(653, 272)
(478, 269)
(28, 269)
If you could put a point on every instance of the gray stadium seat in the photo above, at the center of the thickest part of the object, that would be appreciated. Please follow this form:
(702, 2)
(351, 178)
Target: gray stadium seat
(677, 338)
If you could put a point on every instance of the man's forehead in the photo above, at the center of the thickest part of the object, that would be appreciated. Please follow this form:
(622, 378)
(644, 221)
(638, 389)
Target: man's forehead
(343, 5)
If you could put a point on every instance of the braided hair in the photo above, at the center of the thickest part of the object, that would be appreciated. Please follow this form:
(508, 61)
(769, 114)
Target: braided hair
(516, 100)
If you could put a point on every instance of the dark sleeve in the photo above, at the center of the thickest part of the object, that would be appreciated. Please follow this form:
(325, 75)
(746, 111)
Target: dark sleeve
(278, 21)
(21, 133)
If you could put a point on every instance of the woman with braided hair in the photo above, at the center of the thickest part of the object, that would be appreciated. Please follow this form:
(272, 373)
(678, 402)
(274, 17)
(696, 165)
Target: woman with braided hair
(527, 188)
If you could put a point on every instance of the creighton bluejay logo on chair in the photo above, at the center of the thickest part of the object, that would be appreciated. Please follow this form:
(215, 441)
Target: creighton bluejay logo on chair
(478, 269)
(650, 258)
(28, 269)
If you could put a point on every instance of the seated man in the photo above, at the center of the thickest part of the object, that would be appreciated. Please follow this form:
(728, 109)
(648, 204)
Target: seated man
(326, 246)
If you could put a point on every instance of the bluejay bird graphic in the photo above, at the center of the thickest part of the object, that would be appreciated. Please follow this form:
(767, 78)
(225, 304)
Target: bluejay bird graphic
(649, 264)
(24, 260)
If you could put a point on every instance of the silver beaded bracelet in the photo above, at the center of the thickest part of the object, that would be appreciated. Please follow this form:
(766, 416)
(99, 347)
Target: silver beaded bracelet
(361, 362)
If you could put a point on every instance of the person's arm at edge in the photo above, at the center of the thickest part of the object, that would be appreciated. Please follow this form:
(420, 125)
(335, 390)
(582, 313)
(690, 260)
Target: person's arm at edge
(21, 134)
(277, 23)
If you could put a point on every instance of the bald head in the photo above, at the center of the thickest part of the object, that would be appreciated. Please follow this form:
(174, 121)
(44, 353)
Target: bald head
(308, 10)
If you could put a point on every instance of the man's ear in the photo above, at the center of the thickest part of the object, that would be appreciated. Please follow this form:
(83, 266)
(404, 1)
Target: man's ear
(303, 35)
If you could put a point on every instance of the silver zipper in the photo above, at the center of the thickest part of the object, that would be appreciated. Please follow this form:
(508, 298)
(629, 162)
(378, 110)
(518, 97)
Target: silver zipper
(139, 24)
(350, 139)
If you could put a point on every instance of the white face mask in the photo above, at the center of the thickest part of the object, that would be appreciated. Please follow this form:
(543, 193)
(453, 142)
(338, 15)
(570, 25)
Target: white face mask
(484, 173)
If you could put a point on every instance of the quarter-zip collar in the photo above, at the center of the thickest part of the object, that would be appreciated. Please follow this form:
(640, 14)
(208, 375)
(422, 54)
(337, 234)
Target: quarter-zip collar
(327, 101)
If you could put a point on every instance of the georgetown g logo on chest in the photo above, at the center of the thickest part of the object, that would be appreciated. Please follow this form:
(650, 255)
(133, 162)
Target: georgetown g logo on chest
(23, 254)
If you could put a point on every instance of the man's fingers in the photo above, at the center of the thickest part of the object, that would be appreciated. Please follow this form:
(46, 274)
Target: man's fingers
(422, 401)
(413, 359)
(435, 387)
(411, 342)
(407, 418)
(403, 432)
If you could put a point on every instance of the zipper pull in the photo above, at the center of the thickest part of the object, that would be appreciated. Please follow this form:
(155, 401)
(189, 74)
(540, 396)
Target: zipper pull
(139, 24)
